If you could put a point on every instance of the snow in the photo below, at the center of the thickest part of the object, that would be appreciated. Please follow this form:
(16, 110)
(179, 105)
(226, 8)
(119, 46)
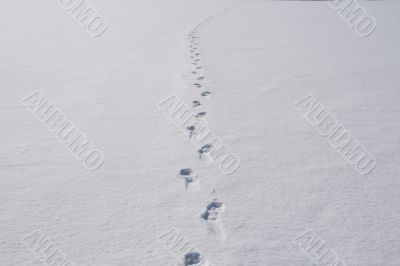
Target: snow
(258, 58)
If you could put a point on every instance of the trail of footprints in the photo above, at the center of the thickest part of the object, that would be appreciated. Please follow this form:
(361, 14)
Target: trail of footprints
(191, 180)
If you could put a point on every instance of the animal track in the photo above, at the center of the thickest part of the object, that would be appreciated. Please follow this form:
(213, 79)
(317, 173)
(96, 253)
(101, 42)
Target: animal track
(205, 94)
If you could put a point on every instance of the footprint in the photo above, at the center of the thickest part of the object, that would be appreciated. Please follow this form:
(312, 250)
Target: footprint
(214, 208)
(191, 131)
(195, 259)
(201, 114)
(199, 67)
(200, 78)
(186, 171)
(196, 104)
(192, 182)
(212, 217)
(205, 94)
(198, 85)
(204, 150)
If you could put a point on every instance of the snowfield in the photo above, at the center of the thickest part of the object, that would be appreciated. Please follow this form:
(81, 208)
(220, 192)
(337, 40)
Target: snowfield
(281, 191)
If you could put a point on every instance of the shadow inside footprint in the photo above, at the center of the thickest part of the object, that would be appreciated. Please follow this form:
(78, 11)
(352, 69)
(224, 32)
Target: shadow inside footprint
(215, 204)
(192, 258)
(204, 150)
(196, 103)
(186, 171)
(213, 209)
(201, 114)
(191, 130)
(192, 182)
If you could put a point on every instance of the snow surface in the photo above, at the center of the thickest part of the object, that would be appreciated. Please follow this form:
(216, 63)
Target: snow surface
(258, 58)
